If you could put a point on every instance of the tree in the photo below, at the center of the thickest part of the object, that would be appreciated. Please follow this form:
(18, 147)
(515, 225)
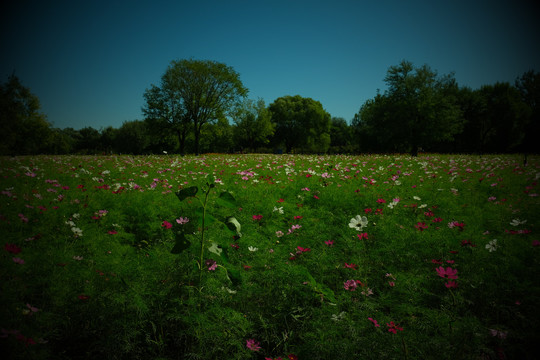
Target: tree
(196, 92)
(425, 105)
(301, 123)
(340, 135)
(419, 109)
(132, 137)
(89, 140)
(528, 86)
(503, 118)
(253, 125)
(25, 130)
(164, 113)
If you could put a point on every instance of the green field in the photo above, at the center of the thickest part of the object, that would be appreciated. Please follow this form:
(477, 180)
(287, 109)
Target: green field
(270, 256)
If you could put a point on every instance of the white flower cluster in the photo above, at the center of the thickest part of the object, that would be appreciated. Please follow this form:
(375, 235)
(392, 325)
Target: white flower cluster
(76, 231)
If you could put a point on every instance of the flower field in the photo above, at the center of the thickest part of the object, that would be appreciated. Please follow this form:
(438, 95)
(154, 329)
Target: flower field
(270, 257)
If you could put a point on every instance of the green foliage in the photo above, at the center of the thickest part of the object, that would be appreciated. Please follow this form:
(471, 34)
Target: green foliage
(25, 129)
(301, 123)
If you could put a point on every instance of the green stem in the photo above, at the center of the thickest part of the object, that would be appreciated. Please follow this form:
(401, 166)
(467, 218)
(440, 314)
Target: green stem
(405, 350)
(202, 236)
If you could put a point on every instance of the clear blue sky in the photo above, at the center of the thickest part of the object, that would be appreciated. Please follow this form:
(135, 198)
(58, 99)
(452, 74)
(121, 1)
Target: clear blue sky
(89, 62)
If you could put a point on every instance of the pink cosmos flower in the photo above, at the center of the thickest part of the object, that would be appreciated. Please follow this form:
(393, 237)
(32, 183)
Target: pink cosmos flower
(374, 322)
(182, 220)
(253, 345)
(211, 264)
(350, 285)
(329, 242)
(447, 273)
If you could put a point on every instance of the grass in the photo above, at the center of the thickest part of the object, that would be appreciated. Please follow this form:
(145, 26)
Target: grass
(87, 270)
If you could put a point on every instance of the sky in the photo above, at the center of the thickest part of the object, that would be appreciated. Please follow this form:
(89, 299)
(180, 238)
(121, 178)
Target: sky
(89, 62)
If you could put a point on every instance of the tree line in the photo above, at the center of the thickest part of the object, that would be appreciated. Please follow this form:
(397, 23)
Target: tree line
(202, 107)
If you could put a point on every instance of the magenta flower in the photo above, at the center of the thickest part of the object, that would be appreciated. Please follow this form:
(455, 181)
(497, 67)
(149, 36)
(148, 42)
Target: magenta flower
(253, 345)
(331, 242)
(374, 322)
(350, 266)
(211, 264)
(350, 285)
(257, 217)
(301, 249)
(362, 236)
(12, 248)
(421, 226)
(447, 273)
(18, 260)
(166, 224)
(451, 284)
(393, 328)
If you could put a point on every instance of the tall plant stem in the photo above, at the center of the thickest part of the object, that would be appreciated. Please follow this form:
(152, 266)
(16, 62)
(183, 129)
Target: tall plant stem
(202, 236)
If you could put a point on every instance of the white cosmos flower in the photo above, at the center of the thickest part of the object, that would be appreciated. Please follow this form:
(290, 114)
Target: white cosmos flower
(492, 245)
(358, 222)
(517, 222)
(279, 210)
(252, 248)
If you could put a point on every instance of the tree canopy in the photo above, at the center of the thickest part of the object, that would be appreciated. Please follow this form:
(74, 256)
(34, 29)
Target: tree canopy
(201, 106)
(194, 93)
(419, 109)
(301, 123)
(25, 129)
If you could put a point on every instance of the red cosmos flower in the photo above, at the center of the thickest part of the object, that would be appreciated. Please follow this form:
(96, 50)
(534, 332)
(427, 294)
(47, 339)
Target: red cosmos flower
(350, 266)
(451, 284)
(12, 248)
(257, 217)
(301, 249)
(467, 243)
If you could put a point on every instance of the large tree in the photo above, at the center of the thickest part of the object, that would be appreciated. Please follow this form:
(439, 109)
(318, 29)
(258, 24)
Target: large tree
(194, 92)
(25, 129)
(301, 123)
(419, 109)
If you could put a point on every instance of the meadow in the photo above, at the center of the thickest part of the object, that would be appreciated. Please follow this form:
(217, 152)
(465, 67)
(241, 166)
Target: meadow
(270, 257)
